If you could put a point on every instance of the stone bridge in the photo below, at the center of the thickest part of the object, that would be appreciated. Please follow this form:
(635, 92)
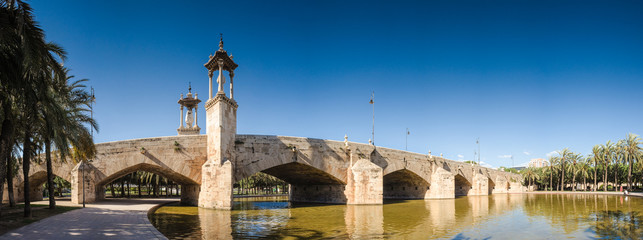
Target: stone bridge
(324, 171)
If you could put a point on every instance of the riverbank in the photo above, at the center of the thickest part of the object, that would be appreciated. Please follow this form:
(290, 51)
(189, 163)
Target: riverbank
(112, 218)
(631, 194)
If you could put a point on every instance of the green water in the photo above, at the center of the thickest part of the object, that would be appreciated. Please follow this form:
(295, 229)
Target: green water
(500, 216)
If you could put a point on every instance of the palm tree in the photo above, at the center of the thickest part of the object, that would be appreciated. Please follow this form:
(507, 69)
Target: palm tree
(596, 156)
(606, 152)
(583, 170)
(28, 67)
(530, 174)
(553, 160)
(573, 160)
(617, 158)
(564, 158)
(632, 150)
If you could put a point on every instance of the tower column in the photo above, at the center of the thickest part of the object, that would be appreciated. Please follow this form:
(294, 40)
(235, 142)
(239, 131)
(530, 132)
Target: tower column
(196, 124)
(181, 118)
(210, 75)
(221, 78)
(231, 89)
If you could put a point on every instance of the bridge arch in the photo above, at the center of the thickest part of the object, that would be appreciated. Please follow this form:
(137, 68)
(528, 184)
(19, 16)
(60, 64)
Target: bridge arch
(491, 185)
(462, 185)
(36, 181)
(405, 184)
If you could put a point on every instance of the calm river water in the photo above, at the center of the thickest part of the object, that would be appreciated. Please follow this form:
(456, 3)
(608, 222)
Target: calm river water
(500, 216)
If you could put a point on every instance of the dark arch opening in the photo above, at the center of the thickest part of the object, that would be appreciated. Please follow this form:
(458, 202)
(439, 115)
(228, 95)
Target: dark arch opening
(38, 189)
(143, 180)
(462, 186)
(307, 183)
(405, 184)
(491, 185)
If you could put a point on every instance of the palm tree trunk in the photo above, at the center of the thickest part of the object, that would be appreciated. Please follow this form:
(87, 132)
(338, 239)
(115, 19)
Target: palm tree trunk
(551, 178)
(562, 179)
(138, 186)
(50, 174)
(112, 189)
(574, 181)
(6, 143)
(26, 160)
(12, 200)
(123, 187)
(629, 173)
(595, 177)
(616, 177)
(605, 179)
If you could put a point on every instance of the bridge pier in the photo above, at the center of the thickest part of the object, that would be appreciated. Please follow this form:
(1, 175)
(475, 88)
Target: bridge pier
(480, 186)
(442, 184)
(364, 183)
(88, 172)
(217, 173)
(216, 186)
(501, 185)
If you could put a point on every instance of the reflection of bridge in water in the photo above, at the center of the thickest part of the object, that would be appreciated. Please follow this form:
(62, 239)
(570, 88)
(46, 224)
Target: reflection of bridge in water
(503, 216)
(324, 171)
(395, 219)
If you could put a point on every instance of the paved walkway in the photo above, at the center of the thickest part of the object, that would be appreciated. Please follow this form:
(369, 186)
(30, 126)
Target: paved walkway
(108, 219)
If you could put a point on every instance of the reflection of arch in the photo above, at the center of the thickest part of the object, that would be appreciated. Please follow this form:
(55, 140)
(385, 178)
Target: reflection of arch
(462, 185)
(405, 184)
(165, 172)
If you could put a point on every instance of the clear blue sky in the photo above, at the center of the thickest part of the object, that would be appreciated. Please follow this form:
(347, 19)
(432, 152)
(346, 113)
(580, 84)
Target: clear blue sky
(526, 77)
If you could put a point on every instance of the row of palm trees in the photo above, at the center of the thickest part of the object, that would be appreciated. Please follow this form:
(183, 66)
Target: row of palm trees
(43, 108)
(141, 181)
(610, 163)
(259, 184)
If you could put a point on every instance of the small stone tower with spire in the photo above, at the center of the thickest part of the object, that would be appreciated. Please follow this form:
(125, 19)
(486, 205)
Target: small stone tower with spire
(191, 126)
(217, 173)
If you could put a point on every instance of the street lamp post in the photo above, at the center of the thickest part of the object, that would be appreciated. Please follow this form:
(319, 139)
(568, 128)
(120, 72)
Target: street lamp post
(82, 165)
(91, 109)
(373, 103)
(406, 143)
(478, 142)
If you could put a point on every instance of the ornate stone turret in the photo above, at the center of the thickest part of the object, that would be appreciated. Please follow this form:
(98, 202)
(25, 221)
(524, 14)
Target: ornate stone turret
(191, 126)
(220, 62)
(217, 173)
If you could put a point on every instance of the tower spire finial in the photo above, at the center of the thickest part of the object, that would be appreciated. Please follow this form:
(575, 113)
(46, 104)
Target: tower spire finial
(221, 41)
(189, 87)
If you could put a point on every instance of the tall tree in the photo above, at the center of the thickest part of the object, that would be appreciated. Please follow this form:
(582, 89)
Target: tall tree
(632, 150)
(606, 151)
(596, 157)
(564, 158)
(28, 65)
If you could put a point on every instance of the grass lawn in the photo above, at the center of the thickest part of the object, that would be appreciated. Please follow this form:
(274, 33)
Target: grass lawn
(12, 218)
